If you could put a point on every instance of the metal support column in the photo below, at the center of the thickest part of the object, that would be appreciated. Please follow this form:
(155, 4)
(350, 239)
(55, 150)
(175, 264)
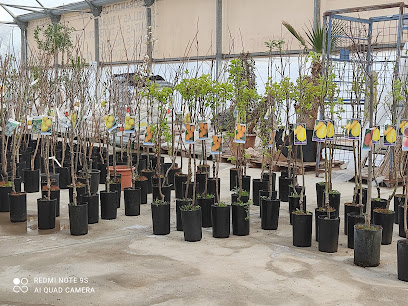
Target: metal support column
(96, 12)
(218, 42)
(149, 32)
(370, 75)
(316, 14)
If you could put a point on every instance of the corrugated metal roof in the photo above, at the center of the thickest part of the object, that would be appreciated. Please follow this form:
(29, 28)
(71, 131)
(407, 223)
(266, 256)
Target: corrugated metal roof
(64, 9)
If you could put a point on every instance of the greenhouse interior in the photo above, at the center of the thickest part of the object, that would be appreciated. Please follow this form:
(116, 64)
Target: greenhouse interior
(123, 122)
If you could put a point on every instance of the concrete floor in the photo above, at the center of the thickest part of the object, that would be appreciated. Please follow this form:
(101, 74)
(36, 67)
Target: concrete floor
(120, 262)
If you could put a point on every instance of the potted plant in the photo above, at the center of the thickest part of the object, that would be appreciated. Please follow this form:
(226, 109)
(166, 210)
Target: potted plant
(354, 211)
(6, 186)
(328, 224)
(243, 94)
(402, 244)
(17, 199)
(190, 213)
(161, 192)
(367, 237)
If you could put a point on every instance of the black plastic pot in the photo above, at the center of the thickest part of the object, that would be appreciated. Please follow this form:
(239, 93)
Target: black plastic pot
(109, 206)
(402, 260)
(328, 234)
(94, 180)
(171, 175)
(149, 174)
(257, 185)
(161, 219)
(386, 221)
(367, 246)
(246, 183)
(319, 213)
(320, 193)
(233, 178)
(78, 219)
(309, 149)
(205, 168)
(118, 188)
(17, 184)
(166, 191)
(179, 204)
(297, 188)
(284, 183)
(221, 221)
(79, 191)
(54, 194)
(240, 220)
(270, 214)
(18, 207)
(143, 185)
(192, 224)
(377, 203)
(235, 196)
(142, 165)
(190, 190)
(353, 219)
(201, 180)
(349, 208)
(334, 202)
(165, 167)
(20, 167)
(46, 214)
(153, 159)
(4, 198)
(294, 204)
(155, 180)
(31, 180)
(401, 231)
(265, 193)
(265, 177)
(302, 229)
(93, 207)
(211, 186)
(179, 179)
(102, 175)
(132, 201)
(364, 199)
(205, 204)
(398, 200)
(54, 179)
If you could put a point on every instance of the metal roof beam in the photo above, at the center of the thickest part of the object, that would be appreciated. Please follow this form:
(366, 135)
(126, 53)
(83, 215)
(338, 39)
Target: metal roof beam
(21, 24)
(96, 10)
(54, 18)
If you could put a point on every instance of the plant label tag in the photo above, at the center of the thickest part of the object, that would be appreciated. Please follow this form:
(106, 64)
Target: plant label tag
(319, 131)
(203, 130)
(11, 125)
(46, 125)
(390, 135)
(376, 135)
(110, 122)
(405, 139)
(190, 133)
(130, 124)
(148, 139)
(271, 139)
(368, 136)
(216, 145)
(330, 130)
(355, 129)
(300, 134)
(240, 133)
(36, 125)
